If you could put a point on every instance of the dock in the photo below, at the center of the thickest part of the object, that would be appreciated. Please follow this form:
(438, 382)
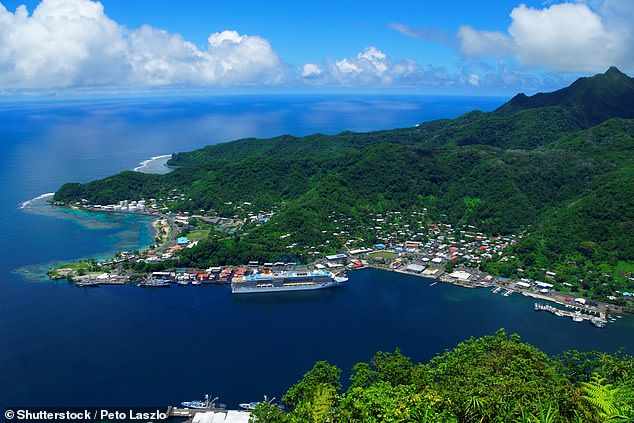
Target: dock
(576, 316)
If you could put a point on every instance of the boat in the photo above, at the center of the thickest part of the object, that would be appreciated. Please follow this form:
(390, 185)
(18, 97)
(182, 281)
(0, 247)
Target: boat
(598, 322)
(199, 405)
(250, 406)
(150, 282)
(286, 281)
(206, 404)
(577, 317)
(90, 283)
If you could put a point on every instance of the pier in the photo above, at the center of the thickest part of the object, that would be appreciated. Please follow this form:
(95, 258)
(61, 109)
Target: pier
(576, 316)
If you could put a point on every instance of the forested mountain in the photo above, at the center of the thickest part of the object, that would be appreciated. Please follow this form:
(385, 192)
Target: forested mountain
(590, 100)
(556, 167)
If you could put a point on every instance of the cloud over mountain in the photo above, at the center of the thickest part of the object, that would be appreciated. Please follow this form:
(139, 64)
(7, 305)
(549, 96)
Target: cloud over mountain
(566, 37)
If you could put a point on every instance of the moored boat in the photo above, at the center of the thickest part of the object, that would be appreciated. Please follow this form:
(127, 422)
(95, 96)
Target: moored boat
(250, 406)
(598, 322)
(286, 281)
(205, 404)
(89, 284)
(150, 282)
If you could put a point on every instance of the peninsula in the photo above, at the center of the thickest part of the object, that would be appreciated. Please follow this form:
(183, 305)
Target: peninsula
(540, 189)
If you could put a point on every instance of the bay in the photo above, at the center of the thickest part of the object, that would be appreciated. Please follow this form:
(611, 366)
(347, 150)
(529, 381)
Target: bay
(120, 345)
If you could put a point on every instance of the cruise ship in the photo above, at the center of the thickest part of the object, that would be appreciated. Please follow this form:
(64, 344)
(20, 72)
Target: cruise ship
(286, 281)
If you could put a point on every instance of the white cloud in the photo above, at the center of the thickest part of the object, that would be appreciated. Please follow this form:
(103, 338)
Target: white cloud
(72, 43)
(373, 67)
(483, 43)
(567, 37)
(474, 80)
(311, 70)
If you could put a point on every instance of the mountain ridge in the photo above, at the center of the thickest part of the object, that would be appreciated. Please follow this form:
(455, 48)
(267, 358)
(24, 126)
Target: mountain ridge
(591, 99)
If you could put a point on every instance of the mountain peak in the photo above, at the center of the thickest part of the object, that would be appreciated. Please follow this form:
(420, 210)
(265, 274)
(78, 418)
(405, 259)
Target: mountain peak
(591, 100)
(614, 71)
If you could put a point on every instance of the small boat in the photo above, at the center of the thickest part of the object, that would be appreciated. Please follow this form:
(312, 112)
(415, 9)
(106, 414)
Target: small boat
(200, 405)
(87, 283)
(597, 322)
(577, 317)
(250, 406)
(206, 404)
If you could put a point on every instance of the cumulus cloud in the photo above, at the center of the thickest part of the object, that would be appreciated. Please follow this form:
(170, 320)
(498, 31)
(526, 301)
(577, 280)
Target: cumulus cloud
(373, 67)
(71, 43)
(311, 70)
(567, 37)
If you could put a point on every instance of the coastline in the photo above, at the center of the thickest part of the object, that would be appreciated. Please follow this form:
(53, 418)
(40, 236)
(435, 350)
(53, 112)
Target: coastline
(600, 311)
(156, 165)
(163, 240)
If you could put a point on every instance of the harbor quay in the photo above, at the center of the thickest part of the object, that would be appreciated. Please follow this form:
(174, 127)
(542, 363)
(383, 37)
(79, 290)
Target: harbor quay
(440, 252)
(339, 264)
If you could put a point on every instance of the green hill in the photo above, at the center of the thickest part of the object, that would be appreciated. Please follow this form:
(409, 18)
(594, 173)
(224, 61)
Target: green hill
(537, 166)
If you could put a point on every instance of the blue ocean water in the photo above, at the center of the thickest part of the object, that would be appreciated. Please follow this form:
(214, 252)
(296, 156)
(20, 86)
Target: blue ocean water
(120, 345)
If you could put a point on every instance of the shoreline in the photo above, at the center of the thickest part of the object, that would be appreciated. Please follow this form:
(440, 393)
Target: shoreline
(601, 309)
(155, 163)
(492, 281)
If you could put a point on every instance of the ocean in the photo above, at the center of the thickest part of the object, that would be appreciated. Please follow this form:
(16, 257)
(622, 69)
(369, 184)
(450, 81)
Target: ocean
(124, 346)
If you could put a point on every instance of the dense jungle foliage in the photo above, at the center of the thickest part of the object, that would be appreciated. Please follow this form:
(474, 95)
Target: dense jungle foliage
(495, 378)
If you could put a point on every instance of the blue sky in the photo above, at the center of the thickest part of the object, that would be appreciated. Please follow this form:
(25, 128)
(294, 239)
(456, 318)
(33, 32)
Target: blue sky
(450, 46)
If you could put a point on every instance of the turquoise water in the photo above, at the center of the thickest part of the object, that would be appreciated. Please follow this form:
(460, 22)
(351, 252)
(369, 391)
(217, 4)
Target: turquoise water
(120, 345)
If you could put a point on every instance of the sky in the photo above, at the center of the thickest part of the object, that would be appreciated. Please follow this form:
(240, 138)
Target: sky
(469, 47)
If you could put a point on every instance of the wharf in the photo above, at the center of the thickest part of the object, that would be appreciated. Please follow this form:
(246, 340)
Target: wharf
(575, 315)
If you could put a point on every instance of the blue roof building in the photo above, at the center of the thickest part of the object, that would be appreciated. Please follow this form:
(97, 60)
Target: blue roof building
(182, 240)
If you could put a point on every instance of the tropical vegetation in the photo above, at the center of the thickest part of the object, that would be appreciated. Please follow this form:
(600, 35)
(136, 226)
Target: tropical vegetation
(495, 378)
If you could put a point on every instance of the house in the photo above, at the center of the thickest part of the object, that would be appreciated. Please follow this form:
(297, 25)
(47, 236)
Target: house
(416, 268)
(460, 275)
(430, 271)
(336, 257)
